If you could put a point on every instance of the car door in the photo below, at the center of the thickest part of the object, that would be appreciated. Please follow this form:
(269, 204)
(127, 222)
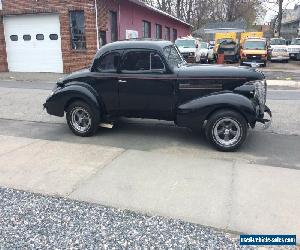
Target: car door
(146, 87)
(105, 79)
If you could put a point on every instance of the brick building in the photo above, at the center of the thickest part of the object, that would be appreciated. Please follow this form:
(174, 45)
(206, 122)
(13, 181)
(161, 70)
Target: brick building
(63, 35)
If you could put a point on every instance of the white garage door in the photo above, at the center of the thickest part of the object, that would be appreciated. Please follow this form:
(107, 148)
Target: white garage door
(33, 43)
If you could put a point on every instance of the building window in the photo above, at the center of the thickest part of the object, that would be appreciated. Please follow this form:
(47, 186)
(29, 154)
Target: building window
(158, 31)
(113, 26)
(174, 34)
(77, 21)
(102, 38)
(168, 34)
(146, 29)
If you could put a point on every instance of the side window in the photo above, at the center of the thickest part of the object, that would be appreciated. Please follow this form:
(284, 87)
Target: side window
(156, 62)
(137, 61)
(108, 63)
(142, 61)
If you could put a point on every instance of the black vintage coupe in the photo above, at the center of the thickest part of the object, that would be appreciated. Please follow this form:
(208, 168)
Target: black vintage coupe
(150, 79)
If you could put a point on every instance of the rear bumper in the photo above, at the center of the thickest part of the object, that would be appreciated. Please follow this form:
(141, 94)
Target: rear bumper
(53, 108)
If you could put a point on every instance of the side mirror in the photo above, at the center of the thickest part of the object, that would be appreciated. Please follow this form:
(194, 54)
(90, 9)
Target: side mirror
(197, 46)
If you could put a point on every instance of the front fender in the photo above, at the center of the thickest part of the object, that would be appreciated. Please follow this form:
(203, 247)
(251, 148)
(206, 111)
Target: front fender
(193, 113)
(57, 102)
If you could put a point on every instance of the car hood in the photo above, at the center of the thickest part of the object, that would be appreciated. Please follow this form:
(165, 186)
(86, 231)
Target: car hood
(218, 72)
(294, 46)
(254, 51)
(186, 50)
(278, 46)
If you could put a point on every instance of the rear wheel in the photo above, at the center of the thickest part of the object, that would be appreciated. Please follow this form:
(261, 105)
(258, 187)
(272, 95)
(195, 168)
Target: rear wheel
(226, 130)
(82, 120)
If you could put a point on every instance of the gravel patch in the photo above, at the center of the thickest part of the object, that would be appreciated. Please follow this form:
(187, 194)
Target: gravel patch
(32, 221)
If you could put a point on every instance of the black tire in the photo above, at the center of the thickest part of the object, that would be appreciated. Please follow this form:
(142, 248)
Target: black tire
(91, 119)
(239, 127)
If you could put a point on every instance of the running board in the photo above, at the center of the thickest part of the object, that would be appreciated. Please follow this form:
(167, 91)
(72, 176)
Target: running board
(106, 125)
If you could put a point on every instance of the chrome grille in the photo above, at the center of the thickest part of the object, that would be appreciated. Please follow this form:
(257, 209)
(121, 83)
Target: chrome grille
(295, 50)
(261, 93)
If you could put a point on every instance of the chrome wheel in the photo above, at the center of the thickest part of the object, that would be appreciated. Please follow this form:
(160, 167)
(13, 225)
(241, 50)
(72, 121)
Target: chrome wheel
(227, 132)
(80, 119)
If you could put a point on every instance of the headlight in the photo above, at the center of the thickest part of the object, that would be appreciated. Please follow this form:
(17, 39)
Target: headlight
(261, 93)
(192, 53)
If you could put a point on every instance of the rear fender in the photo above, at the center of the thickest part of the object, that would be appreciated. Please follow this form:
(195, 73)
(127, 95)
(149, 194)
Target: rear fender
(193, 113)
(62, 97)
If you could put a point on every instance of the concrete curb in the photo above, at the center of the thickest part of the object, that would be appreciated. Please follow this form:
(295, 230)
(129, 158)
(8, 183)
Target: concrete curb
(285, 83)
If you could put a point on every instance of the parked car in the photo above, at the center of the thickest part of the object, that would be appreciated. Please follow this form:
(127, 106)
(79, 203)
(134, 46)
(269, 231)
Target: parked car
(277, 43)
(202, 52)
(211, 54)
(279, 54)
(150, 79)
(188, 47)
(294, 49)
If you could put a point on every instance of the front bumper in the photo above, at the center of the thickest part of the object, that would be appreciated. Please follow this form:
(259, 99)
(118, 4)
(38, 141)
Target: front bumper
(294, 55)
(279, 58)
(251, 62)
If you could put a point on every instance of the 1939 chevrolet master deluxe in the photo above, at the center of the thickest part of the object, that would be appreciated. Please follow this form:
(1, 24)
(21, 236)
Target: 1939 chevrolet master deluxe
(150, 79)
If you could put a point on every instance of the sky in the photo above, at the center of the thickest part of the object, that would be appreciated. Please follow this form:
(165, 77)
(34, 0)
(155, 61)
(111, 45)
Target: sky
(289, 4)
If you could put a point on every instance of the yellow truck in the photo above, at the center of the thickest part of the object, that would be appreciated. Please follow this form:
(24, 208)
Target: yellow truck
(220, 37)
(254, 52)
(226, 43)
(246, 35)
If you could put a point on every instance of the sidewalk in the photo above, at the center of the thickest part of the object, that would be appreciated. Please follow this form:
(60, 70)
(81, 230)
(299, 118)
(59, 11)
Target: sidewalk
(226, 194)
(30, 77)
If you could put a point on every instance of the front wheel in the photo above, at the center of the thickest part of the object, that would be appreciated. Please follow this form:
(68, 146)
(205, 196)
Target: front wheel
(226, 130)
(82, 120)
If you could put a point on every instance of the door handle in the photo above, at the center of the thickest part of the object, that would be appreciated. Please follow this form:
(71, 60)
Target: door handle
(122, 81)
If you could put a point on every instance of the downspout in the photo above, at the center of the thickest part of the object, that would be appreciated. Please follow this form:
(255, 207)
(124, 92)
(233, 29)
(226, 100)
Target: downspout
(97, 27)
(119, 25)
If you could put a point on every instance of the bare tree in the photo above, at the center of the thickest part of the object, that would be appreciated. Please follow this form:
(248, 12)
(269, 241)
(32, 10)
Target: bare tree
(200, 12)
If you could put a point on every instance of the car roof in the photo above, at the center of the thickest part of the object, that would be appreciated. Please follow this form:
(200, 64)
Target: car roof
(134, 44)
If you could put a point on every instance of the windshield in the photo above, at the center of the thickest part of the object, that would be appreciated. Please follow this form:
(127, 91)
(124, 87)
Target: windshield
(185, 43)
(203, 45)
(277, 42)
(256, 45)
(225, 40)
(295, 42)
(173, 56)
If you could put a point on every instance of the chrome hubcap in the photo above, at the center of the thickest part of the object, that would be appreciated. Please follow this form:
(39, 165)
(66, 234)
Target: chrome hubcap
(80, 119)
(227, 132)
